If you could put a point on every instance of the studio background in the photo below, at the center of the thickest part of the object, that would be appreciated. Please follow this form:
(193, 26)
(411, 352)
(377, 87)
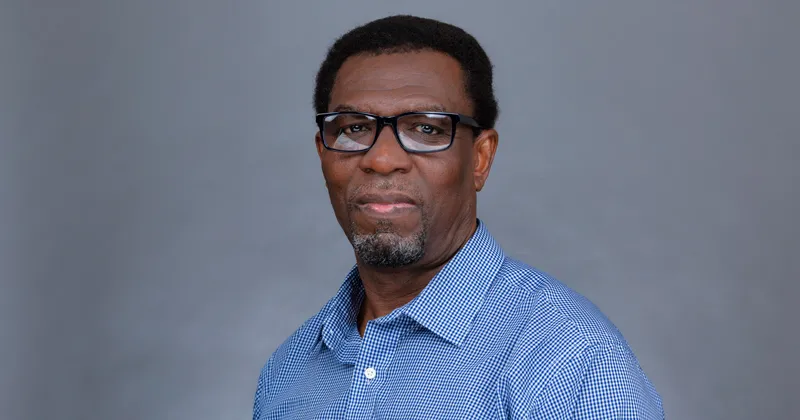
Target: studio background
(164, 223)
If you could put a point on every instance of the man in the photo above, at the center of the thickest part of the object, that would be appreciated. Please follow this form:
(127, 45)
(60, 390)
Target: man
(434, 321)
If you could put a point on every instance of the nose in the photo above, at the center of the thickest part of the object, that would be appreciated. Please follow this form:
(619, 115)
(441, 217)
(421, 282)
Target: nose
(386, 155)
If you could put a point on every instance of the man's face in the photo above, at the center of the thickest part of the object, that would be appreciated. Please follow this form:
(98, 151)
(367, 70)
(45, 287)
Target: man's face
(398, 208)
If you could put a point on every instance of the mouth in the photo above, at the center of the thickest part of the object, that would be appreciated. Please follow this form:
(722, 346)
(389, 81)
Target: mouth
(385, 204)
(386, 208)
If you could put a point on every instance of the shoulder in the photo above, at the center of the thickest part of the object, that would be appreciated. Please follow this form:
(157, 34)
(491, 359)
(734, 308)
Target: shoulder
(298, 344)
(552, 307)
(569, 357)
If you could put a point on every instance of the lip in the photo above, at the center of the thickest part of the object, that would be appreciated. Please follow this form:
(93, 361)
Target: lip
(387, 198)
(386, 208)
(387, 204)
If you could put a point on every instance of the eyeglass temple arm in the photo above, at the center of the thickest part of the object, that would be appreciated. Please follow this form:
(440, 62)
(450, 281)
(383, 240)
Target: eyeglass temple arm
(468, 121)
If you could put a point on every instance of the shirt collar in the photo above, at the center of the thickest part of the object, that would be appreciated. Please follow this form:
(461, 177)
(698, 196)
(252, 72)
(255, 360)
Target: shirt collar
(446, 306)
(339, 325)
(450, 302)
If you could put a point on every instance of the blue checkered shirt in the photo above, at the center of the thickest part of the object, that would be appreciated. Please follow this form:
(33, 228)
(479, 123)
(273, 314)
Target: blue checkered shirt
(488, 338)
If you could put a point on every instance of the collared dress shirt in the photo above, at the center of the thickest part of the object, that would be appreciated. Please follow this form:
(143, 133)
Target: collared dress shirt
(488, 338)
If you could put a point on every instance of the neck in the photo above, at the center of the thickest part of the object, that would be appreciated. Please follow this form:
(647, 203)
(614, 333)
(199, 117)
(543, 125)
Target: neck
(388, 289)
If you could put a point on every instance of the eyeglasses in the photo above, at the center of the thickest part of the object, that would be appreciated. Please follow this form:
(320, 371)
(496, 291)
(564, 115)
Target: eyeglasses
(417, 132)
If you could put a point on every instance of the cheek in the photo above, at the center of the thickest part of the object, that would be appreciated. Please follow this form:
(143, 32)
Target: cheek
(337, 173)
(457, 172)
(449, 185)
(335, 170)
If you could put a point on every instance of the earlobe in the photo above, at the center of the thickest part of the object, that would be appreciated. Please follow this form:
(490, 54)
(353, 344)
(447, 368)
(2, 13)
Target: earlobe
(485, 147)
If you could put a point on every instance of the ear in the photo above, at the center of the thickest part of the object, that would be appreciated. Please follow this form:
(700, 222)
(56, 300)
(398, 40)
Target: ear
(320, 151)
(484, 149)
(320, 146)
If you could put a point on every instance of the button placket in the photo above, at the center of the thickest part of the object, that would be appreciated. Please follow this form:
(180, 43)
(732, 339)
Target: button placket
(373, 351)
(377, 350)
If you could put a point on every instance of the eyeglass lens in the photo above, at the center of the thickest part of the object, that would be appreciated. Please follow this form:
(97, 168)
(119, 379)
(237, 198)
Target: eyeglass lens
(417, 132)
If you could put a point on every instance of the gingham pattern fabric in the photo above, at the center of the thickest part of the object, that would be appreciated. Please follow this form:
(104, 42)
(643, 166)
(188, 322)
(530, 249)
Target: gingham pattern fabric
(488, 338)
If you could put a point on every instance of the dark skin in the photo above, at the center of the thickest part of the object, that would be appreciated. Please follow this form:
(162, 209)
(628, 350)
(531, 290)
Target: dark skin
(443, 184)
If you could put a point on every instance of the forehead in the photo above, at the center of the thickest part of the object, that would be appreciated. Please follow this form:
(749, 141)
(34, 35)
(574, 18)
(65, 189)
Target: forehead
(390, 84)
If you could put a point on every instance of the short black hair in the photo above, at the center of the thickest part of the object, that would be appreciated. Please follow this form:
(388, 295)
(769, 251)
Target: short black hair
(404, 33)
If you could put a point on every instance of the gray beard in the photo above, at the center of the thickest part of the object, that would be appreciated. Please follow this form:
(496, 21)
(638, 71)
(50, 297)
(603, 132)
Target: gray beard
(387, 249)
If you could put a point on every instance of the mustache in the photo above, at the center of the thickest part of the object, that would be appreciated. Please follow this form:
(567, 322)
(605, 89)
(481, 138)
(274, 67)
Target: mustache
(383, 187)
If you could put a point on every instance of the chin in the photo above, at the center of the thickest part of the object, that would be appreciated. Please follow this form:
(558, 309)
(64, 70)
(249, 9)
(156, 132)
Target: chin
(389, 250)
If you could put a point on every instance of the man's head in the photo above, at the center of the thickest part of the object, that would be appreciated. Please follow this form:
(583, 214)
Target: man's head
(405, 194)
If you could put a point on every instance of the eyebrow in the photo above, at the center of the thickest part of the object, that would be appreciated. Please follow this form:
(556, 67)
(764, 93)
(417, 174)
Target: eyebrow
(415, 108)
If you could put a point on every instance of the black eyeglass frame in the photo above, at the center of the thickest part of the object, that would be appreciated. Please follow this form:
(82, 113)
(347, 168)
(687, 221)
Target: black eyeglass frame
(381, 121)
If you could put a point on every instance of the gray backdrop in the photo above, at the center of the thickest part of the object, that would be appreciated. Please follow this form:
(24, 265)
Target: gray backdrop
(164, 224)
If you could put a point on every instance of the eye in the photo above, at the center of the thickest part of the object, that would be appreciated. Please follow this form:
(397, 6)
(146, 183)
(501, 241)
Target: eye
(426, 129)
(353, 128)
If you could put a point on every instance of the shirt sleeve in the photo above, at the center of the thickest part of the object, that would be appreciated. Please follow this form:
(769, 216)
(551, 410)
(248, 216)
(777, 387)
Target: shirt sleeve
(604, 382)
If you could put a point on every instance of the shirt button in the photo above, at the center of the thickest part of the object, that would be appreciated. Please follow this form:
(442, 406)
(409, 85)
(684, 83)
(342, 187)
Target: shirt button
(369, 373)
